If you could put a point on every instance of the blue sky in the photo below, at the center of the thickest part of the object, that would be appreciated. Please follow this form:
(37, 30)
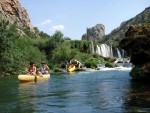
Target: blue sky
(72, 17)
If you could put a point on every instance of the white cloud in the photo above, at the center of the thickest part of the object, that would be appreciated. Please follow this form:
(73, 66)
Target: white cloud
(45, 22)
(58, 27)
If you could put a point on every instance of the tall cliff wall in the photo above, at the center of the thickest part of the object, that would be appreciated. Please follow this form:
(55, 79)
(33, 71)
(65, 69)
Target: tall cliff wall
(12, 11)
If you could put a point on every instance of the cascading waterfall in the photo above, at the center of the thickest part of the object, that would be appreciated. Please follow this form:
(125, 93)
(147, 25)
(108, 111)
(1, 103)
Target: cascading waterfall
(118, 53)
(107, 51)
(92, 46)
(123, 53)
(98, 50)
(104, 50)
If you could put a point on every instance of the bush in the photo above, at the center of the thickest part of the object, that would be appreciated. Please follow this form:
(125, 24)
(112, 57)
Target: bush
(108, 64)
(136, 73)
(91, 63)
(56, 69)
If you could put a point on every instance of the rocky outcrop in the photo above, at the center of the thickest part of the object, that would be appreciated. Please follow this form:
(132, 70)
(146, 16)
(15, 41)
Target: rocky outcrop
(12, 11)
(118, 34)
(137, 45)
(95, 33)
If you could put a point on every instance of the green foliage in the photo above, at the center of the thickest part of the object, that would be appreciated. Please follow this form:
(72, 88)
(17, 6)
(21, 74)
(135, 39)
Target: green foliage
(67, 38)
(91, 63)
(16, 51)
(62, 52)
(82, 45)
(19, 55)
(110, 59)
(136, 73)
(53, 43)
(7, 34)
(83, 57)
(70, 50)
(56, 69)
(109, 64)
(58, 37)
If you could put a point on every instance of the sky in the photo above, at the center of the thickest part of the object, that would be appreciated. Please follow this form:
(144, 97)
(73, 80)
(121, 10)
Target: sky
(73, 17)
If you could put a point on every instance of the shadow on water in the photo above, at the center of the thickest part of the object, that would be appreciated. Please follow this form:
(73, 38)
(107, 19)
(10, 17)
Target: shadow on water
(83, 92)
(138, 98)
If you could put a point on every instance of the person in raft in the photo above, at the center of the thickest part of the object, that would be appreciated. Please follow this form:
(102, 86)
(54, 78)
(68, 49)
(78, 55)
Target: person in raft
(78, 64)
(68, 63)
(43, 69)
(31, 69)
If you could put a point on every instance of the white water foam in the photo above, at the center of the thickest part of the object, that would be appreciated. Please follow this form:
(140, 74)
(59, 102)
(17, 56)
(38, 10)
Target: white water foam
(116, 68)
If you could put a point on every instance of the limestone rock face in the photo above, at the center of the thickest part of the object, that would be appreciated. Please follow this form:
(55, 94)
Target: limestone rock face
(95, 33)
(12, 11)
(137, 45)
(117, 34)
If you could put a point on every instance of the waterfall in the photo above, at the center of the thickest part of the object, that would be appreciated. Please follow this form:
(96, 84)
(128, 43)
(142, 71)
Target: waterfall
(107, 51)
(123, 53)
(98, 50)
(111, 51)
(104, 50)
(119, 54)
(92, 47)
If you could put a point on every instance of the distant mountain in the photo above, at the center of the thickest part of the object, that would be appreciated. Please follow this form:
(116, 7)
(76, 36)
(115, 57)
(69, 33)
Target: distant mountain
(119, 33)
(12, 11)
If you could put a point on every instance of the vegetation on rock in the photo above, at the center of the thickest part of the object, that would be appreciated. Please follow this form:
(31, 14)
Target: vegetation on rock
(118, 34)
(137, 45)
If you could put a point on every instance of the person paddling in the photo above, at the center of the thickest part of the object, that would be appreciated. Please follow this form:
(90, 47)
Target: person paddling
(78, 64)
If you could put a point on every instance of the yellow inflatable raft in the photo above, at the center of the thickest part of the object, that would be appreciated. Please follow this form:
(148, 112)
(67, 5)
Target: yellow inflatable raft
(71, 68)
(33, 78)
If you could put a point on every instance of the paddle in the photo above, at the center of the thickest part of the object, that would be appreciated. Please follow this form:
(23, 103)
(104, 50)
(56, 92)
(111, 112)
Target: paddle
(36, 77)
(35, 80)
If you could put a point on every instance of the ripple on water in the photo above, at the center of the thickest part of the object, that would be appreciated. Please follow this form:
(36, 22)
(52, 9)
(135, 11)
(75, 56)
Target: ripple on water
(88, 92)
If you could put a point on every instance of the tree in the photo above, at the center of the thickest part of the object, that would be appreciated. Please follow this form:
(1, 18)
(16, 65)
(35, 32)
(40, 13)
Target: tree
(53, 43)
(62, 52)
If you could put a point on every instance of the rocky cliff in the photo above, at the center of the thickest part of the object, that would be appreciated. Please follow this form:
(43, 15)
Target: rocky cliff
(118, 34)
(137, 45)
(12, 11)
(95, 33)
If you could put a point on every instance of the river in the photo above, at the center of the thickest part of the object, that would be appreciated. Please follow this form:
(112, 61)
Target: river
(106, 91)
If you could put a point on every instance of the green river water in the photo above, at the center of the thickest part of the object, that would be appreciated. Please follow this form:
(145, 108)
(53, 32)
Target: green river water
(108, 91)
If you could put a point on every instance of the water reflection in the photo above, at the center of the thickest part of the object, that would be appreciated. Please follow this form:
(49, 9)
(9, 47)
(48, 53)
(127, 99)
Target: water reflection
(90, 92)
(138, 98)
(30, 94)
